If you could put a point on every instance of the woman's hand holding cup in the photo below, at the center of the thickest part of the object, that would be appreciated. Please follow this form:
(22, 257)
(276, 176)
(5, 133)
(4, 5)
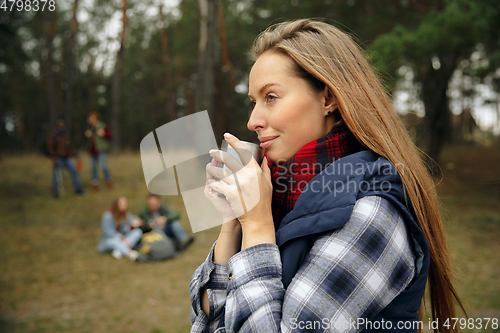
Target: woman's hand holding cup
(247, 189)
(218, 200)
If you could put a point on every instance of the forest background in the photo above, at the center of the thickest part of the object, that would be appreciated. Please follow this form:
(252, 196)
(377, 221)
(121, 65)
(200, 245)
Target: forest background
(142, 64)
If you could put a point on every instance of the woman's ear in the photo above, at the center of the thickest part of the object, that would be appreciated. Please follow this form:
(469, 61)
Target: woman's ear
(330, 101)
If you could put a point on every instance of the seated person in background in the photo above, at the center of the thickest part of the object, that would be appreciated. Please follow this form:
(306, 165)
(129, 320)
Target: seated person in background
(120, 231)
(157, 215)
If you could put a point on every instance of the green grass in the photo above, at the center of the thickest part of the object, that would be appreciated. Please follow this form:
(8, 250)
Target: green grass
(470, 196)
(53, 280)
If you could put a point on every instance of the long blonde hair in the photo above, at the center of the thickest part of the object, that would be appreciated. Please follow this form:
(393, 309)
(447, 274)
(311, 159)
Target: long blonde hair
(118, 215)
(331, 57)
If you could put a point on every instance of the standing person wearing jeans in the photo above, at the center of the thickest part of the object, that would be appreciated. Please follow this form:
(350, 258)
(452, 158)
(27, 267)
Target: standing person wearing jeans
(61, 152)
(99, 136)
(120, 231)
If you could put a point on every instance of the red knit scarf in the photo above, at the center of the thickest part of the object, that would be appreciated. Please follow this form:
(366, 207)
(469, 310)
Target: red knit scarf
(290, 178)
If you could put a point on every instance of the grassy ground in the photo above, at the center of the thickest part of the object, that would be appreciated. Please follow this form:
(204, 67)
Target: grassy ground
(470, 196)
(52, 279)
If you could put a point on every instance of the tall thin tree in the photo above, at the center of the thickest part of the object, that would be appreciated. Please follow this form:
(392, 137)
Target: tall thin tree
(70, 61)
(205, 95)
(49, 25)
(226, 100)
(169, 100)
(116, 114)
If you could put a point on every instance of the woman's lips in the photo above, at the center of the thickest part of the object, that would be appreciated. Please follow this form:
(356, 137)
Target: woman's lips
(267, 141)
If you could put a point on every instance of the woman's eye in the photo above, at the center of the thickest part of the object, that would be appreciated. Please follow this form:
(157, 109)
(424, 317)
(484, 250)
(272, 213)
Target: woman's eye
(270, 98)
(252, 104)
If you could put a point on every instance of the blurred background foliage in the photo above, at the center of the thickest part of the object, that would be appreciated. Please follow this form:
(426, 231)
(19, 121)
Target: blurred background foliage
(147, 67)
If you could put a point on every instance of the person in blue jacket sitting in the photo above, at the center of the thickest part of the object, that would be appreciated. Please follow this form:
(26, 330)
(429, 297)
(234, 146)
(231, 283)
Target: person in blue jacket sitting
(341, 229)
(120, 231)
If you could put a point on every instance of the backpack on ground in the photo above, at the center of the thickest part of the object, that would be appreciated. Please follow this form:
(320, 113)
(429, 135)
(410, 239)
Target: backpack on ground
(156, 246)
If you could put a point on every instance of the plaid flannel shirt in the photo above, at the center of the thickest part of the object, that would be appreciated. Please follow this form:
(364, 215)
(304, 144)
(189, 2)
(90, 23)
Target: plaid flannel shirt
(351, 273)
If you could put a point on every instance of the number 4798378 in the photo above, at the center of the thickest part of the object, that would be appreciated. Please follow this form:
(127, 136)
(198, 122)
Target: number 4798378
(27, 5)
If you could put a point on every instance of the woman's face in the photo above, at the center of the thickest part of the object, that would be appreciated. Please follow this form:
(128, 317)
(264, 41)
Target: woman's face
(122, 205)
(287, 112)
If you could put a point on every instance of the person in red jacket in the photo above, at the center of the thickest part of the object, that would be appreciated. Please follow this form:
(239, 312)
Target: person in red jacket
(99, 135)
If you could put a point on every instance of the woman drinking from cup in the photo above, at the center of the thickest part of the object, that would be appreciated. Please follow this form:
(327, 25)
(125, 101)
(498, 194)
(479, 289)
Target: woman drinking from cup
(346, 231)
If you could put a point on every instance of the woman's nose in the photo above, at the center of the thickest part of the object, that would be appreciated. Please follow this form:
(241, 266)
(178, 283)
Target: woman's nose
(257, 120)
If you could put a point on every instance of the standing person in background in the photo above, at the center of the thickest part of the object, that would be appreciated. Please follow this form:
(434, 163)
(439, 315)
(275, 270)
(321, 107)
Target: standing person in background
(158, 215)
(99, 135)
(61, 151)
(120, 231)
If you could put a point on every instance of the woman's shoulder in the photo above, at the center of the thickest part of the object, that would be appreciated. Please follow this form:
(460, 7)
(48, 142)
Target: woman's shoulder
(375, 210)
(375, 226)
(107, 216)
(372, 215)
(372, 201)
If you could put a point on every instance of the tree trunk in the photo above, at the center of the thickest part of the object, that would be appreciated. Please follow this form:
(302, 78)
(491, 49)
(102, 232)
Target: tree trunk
(70, 61)
(91, 99)
(49, 25)
(2, 109)
(227, 99)
(188, 97)
(224, 50)
(115, 120)
(221, 107)
(436, 102)
(497, 90)
(205, 93)
(20, 131)
(169, 98)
